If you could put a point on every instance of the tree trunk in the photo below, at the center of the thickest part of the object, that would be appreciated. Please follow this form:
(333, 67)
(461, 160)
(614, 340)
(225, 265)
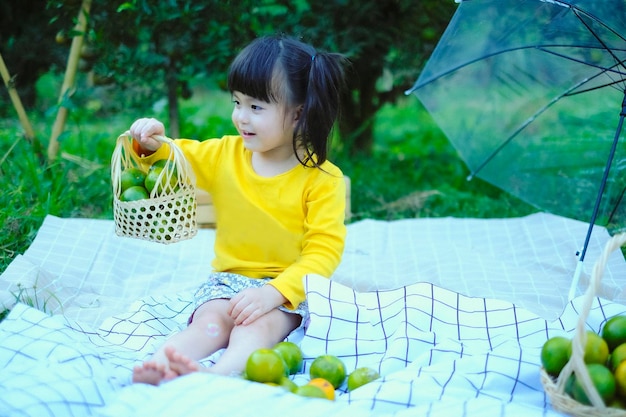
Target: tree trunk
(69, 79)
(359, 110)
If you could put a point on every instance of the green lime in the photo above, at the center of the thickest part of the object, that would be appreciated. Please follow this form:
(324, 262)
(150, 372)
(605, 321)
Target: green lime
(134, 193)
(291, 354)
(310, 391)
(152, 180)
(160, 164)
(614, 331)
(602, 378)
(618, 356)
(360, 377)
(329, 367)
(555, 353)
(265, 365)
(596, 349)
(132, 177)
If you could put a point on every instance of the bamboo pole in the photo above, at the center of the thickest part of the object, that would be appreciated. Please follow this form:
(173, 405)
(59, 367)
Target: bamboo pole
(17, 103)
(69, 79)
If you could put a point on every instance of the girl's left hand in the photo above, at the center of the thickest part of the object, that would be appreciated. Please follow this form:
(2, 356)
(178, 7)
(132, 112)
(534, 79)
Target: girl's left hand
(252, 303)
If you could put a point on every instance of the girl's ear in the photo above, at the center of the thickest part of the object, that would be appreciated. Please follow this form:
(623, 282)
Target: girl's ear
(298, 113)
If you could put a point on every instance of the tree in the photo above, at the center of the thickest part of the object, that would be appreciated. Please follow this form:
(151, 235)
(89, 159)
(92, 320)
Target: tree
(387, 42)
(172, 41)
(161, 45)
(27, 44)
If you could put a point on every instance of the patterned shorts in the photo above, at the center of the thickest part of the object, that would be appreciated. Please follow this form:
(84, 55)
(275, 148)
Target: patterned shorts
(227, 285)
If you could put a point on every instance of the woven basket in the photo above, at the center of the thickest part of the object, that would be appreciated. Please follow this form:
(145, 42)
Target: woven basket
(555, 388)
(169, 214)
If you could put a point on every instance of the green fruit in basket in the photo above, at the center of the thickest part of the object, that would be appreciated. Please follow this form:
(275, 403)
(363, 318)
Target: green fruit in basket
(602, 378)
(614, 331)
(152, 180)
(134, 193)
(132, 177)
(555, 353)
(596, 349)
(161, 163)
(617, 356)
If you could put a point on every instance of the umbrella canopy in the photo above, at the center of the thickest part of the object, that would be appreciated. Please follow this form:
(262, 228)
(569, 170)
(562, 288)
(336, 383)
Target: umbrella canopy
(532, 95)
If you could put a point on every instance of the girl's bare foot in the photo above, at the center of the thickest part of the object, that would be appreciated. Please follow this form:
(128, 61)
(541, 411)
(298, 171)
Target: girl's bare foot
(181, 364)
(149, 373)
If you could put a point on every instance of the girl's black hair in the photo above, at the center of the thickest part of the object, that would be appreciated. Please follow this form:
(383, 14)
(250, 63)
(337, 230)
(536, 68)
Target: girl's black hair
(280, 69)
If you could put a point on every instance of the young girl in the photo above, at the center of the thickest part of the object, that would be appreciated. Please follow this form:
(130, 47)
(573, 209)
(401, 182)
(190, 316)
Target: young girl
(279, 205)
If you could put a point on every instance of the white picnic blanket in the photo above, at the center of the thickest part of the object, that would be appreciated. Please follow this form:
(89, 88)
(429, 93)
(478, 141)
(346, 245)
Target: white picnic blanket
(452, 312)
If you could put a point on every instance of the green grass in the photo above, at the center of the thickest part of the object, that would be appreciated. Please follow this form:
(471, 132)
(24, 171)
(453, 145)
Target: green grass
(413, 171)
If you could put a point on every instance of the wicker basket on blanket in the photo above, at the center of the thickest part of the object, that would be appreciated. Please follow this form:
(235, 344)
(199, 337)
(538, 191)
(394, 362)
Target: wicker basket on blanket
(168, 214)
(555, 388)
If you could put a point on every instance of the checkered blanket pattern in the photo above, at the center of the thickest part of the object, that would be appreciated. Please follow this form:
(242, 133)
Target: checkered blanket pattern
(440, 351)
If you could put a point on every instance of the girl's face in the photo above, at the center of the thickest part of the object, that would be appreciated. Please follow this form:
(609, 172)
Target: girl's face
(266, 128)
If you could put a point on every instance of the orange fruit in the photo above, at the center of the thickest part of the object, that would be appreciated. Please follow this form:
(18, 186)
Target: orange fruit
(329, 367)
(618, 355)
(620, 379)
(361, 376)
(602, 379)
(134, 193)
(132, 177)
(325, 386)
(555, 353)
(596, 349)
(310, 391)
(614, 331)
(265, 365)
(291, 354)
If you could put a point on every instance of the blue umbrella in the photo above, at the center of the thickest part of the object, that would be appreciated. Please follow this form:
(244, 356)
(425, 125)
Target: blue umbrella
(532, 94)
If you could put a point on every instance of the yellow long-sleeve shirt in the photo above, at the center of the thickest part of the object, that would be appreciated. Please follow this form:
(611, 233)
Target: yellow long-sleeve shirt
(281, 227)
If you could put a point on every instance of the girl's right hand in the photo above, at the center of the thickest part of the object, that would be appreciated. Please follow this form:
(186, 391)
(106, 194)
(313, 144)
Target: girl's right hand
(142, 131)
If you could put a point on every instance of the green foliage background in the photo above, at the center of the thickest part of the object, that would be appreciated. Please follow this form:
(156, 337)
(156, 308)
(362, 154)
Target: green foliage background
(413, 171)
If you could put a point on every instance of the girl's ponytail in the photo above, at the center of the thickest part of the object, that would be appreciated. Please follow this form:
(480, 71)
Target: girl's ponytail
(322, 104)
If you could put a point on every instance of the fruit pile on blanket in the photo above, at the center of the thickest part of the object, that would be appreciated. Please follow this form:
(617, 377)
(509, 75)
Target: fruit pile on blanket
(327, 372)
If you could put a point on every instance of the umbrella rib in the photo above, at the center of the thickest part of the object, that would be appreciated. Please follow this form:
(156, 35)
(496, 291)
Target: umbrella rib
(578, 12)
(609, 70)
(453, 69)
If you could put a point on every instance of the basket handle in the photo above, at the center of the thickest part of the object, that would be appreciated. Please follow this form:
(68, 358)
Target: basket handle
(576, 363)
(123, 155)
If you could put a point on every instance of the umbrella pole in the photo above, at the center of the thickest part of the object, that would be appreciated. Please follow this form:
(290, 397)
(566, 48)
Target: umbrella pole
(607, 168)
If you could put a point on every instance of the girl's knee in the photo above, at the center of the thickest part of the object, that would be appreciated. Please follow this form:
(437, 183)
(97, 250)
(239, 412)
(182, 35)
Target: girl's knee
(212, 319)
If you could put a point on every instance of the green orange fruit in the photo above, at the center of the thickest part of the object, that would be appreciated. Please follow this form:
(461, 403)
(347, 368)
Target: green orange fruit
(291, 354)
(361, 376)
(614, 331)
(134, 193)
(555, 353)
(132, 177)
(265, 365)
(330, 368)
